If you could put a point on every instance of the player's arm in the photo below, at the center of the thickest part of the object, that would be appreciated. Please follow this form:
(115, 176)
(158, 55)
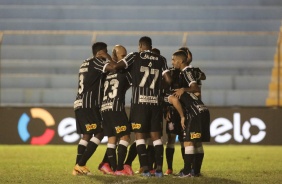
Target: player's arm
(202, 75)
(193, 88)
(166, 76)
(109, 66)
(167, 79)
(123, 63)
(177, 105)
(129, 80)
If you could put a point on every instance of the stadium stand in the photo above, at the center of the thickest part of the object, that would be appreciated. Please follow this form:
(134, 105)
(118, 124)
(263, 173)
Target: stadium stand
(44, 42)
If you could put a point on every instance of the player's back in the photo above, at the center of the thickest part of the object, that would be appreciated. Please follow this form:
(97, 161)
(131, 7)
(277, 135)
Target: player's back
(115, 87)
(146, 71)
(90, 84)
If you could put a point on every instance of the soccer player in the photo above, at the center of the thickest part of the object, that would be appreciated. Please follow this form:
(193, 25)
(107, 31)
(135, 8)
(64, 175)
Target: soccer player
(199, 74)
(192, 134)
(173, 126)
(115, 121)
(205, 115)
(150, 148)
(147, 70)
(156, 51)
(87, 106)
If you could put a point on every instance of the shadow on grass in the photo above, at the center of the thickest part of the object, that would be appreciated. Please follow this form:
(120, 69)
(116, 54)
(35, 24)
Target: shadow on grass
(136, 179)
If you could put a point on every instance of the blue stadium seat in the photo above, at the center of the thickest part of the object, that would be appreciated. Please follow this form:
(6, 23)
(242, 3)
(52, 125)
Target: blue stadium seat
(224, 37)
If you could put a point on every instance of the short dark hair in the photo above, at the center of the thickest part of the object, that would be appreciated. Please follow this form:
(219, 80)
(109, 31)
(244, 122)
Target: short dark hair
(145, 40)
(188, 52)
(182, 54)
(156, 51)
(98, 46)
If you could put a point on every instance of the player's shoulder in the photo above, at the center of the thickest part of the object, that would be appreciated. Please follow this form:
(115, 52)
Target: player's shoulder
(89, 59)
(132, 54)
(86, 62)
(162, 57)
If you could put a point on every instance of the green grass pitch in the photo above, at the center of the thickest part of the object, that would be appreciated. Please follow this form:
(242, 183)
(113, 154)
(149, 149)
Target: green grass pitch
(222, 164)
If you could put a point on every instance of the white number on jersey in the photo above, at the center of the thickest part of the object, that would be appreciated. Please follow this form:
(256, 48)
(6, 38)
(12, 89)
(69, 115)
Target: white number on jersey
(114, 83)
(146, 71)
(81, 85)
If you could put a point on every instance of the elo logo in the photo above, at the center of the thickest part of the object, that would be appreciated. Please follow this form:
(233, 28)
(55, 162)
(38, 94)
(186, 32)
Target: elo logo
(219, 129)
(47, 118)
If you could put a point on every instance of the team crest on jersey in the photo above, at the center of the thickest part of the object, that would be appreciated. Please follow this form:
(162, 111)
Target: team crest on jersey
(135, 125)
(194, 135)
(91, 126)
(120, 129)
(150, 64)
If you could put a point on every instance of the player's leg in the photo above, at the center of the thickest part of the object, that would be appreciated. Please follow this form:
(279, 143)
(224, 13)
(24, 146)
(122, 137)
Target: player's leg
(191, 136)
(169, 151)
(104, 165)
(142, 152)
(109, 130)
(81, 147)
(159, 151)
(121, 154)
(151, 155)
(111, 152)
(156, 127)
(205, 137)
(188, 159)
(199, 156)
(140, 126)
(123, 130)
(132, 153)
(91, 148)
(86, 117)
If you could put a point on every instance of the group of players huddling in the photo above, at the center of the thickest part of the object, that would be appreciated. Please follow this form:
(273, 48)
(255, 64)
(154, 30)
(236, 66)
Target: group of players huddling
(157, 92)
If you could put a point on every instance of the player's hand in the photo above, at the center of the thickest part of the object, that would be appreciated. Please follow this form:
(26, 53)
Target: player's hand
(178, 92)
(167, 118)
(103, 54)
(183, 123)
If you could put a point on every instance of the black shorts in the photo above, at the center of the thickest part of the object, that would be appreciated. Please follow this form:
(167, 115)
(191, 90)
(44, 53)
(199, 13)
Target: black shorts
(115, 123)
(88, 121)
(146, 118)
(193, 129)
(205, 120)
(174, 125)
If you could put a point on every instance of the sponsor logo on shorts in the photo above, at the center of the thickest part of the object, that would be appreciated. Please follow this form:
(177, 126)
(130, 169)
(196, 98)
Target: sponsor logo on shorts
(91, 127)
(194, 135)
(120, 129)
(135, 125)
